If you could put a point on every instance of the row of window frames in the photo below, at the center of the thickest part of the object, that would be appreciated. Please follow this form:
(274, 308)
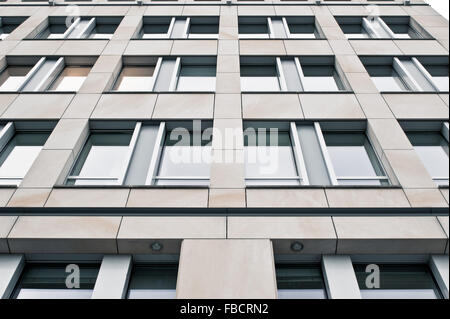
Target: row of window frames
(393, 27)
(303, 156)
(208, 27)
(425, 74)
(294, 281)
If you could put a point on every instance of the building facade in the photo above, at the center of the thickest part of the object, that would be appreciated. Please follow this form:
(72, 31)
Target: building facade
(349, 201)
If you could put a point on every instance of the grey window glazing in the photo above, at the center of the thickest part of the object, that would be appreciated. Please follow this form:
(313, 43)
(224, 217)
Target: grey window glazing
(297, 281)
(153, 282)
(407, 281)
(48, 281)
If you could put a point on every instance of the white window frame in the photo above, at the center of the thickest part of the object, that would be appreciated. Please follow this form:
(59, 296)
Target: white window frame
(302, 175)
(374, 34)
(120, 178)
(271, 33)
(47, 79)
(330, 168)
(186, 32)
(152, 173)
(282, 81)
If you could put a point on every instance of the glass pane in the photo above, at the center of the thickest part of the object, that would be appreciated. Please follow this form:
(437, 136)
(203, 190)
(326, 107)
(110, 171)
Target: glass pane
(439, 73)
(259, 78)
(399, 282)
(300, 282)
(45, 281)
(353, 156)
(306, 31)
(256, 30)
(197, 78)
(181, 158)
(354, 31)
(136, 78)
(12, 77)
(153, 282)
(104, 155)
(19, 155)
(386, 79)
(269, 158)
(432, 148)
(320, 78)
(71, 79)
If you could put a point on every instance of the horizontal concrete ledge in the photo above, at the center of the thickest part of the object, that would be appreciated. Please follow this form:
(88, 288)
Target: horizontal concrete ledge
(186, 211)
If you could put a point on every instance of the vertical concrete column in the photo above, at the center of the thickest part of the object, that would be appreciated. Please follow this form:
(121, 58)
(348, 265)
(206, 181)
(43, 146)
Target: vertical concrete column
(112, 280)
(227, 169)
(340, 278)
(227, 269)
(439, 267)
(10, 269)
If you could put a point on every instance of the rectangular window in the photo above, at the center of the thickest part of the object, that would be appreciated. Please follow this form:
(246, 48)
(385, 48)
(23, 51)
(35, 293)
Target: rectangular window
(303, 154)
(145, 154)
(293, 74)
(184, 159)
(79, 28)
(399, 282)
(425, 74)
(303, 27)
(353, 158)
(103, 159)
(187, 74)
(48, 281)
(389, 27)
(432, 148)
(269, 157)
(33, 74)
(12, 77)
(297, 281)
(8, 25)
(179, 28)
(153, 282)
(259, 75)
(70, 79)
(18, 151)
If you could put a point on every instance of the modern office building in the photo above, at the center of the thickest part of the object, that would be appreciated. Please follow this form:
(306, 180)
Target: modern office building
(223, 149)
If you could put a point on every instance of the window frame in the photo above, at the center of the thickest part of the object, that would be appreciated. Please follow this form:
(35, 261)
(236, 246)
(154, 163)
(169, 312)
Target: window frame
(441, 127)
(297, 70)
(9, 130)
(410, 81)
(44, 71)
(271, 33)
(151, 175)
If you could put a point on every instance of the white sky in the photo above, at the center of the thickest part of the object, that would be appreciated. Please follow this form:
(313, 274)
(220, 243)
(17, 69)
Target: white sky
(440, 6)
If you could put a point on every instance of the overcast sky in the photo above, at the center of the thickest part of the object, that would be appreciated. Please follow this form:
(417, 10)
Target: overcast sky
(440, 6)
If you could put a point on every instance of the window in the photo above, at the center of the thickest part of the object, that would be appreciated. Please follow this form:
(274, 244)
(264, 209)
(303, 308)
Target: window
(305, 153)
(153, 282)
(396, 27)
(353, 158)
(269, 157)
(297, 281)
(48, 281)
(399, 282)
(18, 151)
(179, 28)
(294, 74)
(187, 74)
(103, 159)
(430, 141)
(185, 158)
(145, 154)
(79, 28)
(303, 27)
(424, 74)
(8, 25)
(12, 77)
(45, 74)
